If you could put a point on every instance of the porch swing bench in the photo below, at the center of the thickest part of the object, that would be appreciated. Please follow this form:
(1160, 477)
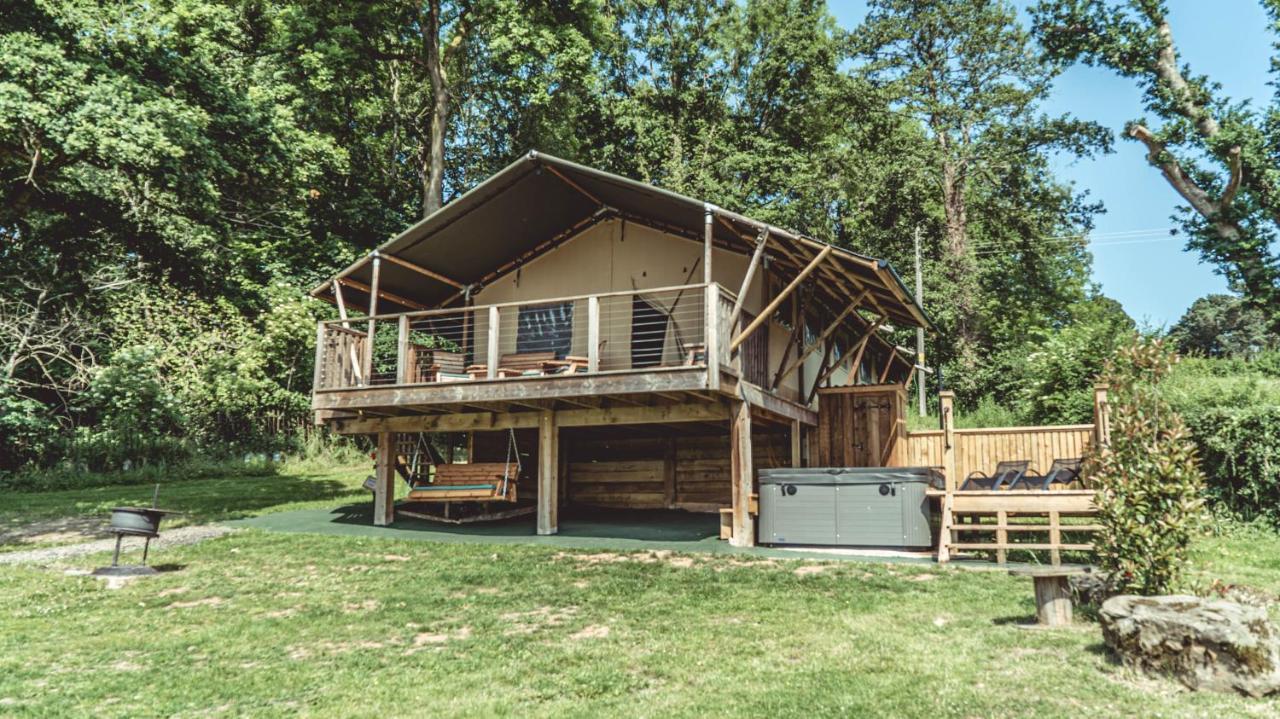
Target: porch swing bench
(477, 482)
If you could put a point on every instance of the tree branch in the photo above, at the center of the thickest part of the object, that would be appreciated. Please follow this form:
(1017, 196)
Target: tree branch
(1235, 167)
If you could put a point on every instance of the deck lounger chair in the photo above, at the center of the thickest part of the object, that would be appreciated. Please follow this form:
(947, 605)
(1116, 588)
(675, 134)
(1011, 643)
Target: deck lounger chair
(1006, 475)
(1062, 471)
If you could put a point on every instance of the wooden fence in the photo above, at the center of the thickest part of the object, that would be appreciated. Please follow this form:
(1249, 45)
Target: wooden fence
(978, 450)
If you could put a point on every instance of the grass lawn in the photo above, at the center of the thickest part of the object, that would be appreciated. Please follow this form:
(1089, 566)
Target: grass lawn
(38, 519)
(274, 624)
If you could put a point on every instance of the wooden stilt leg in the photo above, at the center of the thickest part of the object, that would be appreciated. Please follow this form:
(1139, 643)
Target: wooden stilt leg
(742, 476)
(384, 493)
(548, 464)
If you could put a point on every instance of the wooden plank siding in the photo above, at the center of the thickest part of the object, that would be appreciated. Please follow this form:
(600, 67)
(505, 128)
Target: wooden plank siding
(636, 472)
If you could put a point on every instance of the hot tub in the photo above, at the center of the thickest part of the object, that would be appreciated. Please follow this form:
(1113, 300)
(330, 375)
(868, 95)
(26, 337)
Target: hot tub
(847, 506)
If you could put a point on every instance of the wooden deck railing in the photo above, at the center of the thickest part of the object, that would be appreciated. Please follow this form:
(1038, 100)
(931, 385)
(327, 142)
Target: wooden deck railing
(1005, 520)
(584, 334)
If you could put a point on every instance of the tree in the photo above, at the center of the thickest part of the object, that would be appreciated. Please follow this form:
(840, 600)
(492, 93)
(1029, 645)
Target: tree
(969, 73)
(1219, 156)
(1222, 326)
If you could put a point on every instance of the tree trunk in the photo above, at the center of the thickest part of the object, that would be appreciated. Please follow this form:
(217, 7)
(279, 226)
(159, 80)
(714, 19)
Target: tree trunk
(431, 159)
(960, 269)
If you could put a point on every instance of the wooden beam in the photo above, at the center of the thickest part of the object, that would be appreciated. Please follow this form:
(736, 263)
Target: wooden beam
(490, 421)
(823, 372)
(572, 184)
(708, 238)
(742, 475)
(384, 492)
(746, 279)
(768, 311)
(422, 270)
(826, 333)
(862, 347)
(342, 303)
(548, 465)
(403, 301)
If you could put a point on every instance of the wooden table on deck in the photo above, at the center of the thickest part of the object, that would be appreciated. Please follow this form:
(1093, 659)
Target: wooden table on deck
(1053, 591)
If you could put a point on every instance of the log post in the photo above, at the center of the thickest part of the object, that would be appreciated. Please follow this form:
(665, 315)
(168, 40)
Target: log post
(711, 335)
(1101, 416)
(593, 334)
(796, 436)
(548, 465)
(384, 492)
(742, 474)
(946, 406)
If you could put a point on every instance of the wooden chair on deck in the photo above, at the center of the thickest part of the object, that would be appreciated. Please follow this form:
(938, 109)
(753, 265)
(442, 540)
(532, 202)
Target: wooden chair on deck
(531, 364)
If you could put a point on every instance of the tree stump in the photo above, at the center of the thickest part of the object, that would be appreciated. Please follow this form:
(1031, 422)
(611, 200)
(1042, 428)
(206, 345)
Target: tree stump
(1053, 592)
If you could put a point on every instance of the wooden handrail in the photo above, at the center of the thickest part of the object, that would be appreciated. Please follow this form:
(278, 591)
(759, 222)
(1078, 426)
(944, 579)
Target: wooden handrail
(527, 303)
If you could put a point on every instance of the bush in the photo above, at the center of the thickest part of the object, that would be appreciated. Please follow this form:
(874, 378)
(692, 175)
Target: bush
(1149, 486)
(26, 429)
(1240, 455)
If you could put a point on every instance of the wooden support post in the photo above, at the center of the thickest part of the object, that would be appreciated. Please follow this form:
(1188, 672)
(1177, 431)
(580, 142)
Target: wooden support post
(367, 361)
(796, 435)
(494, 354)
(548, 464)
(403, 358)
(1055, 538)
(384, 492)
(768, 311)
(946, 402)
(320, 357)
(1101, 416)
(669, 473)
(742, 474)
(593, 334)
(1002, 536)
(708, 235)
(711, 332)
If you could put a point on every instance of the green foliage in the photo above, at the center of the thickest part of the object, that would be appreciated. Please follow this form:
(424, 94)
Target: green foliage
(1223, 326)
(1240, 453)
(27, 429)
(1054, 385)
(1149, 484)
(135, 419)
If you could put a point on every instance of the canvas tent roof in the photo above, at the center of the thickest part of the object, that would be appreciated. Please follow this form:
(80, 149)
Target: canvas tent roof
(539, 200)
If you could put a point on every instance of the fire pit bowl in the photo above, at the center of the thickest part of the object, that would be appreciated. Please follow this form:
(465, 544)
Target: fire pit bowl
(137, 521)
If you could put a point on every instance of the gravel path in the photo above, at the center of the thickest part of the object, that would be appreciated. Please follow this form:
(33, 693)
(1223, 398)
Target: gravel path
(168, 538)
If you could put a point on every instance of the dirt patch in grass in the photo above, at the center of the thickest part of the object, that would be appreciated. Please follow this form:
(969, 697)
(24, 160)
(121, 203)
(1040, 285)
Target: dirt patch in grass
(206, 602)
(536, 619)
(594, 631)
(55, 531)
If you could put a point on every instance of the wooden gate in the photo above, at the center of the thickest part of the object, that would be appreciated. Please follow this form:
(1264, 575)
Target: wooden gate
(860, 426)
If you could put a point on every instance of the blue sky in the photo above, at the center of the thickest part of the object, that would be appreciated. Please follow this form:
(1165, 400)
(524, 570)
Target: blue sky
(1151, 275)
